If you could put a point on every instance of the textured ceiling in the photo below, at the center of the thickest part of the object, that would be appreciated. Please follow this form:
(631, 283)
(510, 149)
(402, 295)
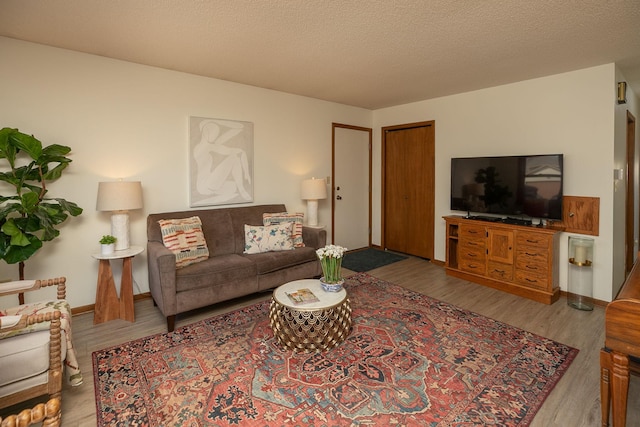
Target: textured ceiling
(366, 53)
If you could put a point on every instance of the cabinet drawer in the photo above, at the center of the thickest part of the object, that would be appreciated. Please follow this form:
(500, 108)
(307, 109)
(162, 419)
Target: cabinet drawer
(532, 259)
(532, 280)
(471, 265)
(474, 245)
(472, 233)
(500, 270)
(473, 254)
(525, 238)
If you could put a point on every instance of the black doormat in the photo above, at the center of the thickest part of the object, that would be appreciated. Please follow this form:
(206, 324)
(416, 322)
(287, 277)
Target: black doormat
(369, 258)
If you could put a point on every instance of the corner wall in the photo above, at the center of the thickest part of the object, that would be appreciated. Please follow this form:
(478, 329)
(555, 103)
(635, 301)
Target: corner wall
(570, 113)
(124, 120)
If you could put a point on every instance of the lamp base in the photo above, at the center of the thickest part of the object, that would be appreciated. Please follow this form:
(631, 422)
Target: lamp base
(120, 230)
(312, 212)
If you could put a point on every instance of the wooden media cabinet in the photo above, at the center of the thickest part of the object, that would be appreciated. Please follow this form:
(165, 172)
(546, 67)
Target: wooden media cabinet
(519, 259)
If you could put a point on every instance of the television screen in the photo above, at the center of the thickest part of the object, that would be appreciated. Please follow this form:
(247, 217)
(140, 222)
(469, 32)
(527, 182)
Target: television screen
(508, 185)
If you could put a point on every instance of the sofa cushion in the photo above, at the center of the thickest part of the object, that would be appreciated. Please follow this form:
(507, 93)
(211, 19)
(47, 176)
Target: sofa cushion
(185, 239)
(215, 270)
(284, 217)
(268, 262)
(259, 238)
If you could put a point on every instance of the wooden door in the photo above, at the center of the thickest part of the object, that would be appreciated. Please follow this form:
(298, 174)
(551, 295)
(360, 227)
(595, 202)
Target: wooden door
(351, 189)
(408, 188)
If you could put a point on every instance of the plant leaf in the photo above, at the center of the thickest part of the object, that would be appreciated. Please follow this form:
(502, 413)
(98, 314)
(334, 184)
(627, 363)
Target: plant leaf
(55, 150)
(72, 208)
(9, 208)
(18, 238)
(55, 173)
(27, 143)
(7, 150)
(29, 201)
(16, 254)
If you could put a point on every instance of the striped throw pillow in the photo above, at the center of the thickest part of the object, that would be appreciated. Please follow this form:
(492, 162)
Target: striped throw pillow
(184, 237)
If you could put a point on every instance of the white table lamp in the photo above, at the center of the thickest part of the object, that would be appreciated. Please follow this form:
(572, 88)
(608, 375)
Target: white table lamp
(119, 197)
(313, 190)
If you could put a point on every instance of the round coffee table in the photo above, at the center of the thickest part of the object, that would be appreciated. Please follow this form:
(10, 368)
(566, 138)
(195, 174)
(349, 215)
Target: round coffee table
(310, 326)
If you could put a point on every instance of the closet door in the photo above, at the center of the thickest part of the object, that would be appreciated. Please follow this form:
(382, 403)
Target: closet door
(408, 188)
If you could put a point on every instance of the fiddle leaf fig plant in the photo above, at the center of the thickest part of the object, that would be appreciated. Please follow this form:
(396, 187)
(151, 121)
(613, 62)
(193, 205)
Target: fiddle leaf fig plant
(28, 217)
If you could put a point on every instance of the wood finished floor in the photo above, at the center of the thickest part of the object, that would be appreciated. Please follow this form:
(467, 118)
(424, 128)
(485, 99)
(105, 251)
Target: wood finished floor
(575, 401)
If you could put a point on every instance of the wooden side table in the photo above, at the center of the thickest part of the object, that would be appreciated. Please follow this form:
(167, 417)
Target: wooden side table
(108, 306)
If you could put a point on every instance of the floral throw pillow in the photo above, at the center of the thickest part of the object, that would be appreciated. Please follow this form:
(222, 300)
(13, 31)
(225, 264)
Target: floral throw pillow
(258, 238)
(184, 237)
(283, 217)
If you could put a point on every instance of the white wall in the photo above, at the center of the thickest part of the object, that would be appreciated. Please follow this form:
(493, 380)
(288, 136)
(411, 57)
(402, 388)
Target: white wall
(129, 121)
(569, 113)
(124, 120)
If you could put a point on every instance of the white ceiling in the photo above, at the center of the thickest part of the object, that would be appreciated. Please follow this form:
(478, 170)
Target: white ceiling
(366, 53)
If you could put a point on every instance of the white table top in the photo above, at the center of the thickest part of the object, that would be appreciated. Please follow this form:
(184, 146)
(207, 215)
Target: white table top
(327, 299)
(125, 253)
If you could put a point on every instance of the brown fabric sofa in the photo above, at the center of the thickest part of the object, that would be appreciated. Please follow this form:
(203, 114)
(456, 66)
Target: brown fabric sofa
(227, 273)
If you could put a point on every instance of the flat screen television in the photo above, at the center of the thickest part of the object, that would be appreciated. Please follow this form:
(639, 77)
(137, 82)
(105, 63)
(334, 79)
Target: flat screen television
(522, 186)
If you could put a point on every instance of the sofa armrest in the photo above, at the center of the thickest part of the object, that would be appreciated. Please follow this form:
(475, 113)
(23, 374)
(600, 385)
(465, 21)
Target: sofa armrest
(314, 237)
(162, 277)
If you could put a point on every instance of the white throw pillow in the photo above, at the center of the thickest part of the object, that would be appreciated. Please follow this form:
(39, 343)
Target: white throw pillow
(283, 217)
(258, 238)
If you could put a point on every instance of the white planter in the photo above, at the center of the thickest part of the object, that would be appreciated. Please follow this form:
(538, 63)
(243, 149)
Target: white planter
(331, 287)
(107, 249)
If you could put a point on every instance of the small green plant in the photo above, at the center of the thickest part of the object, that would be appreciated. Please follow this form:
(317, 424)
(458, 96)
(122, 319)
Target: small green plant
(107, 240)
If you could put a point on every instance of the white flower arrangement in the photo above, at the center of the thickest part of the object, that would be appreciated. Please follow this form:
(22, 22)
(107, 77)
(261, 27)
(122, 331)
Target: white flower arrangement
(331, 261)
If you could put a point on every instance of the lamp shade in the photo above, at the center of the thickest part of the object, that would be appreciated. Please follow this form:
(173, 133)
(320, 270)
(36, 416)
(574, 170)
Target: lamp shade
(119, 196)
(313, 189)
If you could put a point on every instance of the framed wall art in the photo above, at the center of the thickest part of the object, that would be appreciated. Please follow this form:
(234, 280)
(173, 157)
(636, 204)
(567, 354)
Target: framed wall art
(220, 162)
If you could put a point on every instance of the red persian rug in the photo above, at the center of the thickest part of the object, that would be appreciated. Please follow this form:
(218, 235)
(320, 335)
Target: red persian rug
(410, 360)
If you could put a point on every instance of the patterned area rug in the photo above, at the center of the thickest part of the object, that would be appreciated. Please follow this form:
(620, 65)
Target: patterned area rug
(410, 360)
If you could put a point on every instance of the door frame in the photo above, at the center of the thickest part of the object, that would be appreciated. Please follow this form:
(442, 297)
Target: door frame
(383, 132)
(333, 174)
(630, 214)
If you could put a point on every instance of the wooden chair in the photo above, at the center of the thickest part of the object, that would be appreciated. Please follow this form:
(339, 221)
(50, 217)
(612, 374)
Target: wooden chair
(46, 413)
(36, 379)
(608, 394)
